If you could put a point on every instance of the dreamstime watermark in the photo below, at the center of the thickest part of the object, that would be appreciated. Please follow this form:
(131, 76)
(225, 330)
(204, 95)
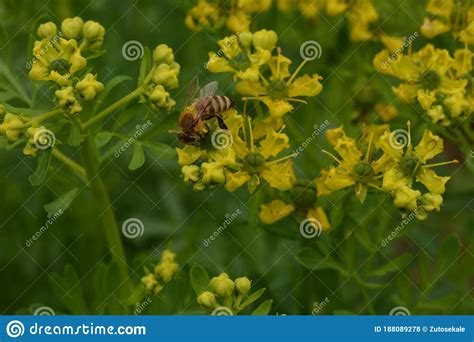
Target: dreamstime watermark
(140, 130)
(311, 50)
(317, 130)
(400, 311)
(229, 218)
(317, 307)
(393, 57)
(234, 38)
(44, 49)
(44, 311)
(132, 50)
(44, 139)
(133, 228)
(49, 222)
(310, 228)
(410, 217)
(399, 139)
(221, 139)
(222, 311)
(141, 306)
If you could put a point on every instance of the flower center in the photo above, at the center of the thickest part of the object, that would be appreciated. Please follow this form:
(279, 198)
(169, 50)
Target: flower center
(240, 62)
(253, 160)
(363, 171)
(430, 79)
(60, 65)
(278, 89)
(409, 165)
(304, 194)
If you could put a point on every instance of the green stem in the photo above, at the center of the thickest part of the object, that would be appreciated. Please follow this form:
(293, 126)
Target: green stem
(42, 117)
(75, 167)
(107, 215)
(112, 108)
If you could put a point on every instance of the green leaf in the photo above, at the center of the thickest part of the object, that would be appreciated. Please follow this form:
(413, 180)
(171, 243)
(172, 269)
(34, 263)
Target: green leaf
(70, 283)
(337, 215)
(159, 150)
(39, 175)
(62, 202)
(448, 253)
(138, 157)
(145, 66)
(263, 309)
(394, 265)
(254, 208)
(74, 136)
(252, 298)
(137, 295)
(311, 259)
(199, 279)
(102, 138)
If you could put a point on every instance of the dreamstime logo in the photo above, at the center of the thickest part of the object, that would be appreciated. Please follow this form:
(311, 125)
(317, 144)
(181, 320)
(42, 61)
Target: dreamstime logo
(49, 222)
(44, 139)
(317, 130)
(44, 311)
(132, 50)
(400, 311)
(133, 228)
(394, 56)
(221, 139)
(140, 130)
(229, 218)
(15, 329)
(141, 306)
(317, 307)
(222, 311)
(225, 44)
(311, 50)
(399, 139)
(406, 220)
(310, 228)
(44, 49)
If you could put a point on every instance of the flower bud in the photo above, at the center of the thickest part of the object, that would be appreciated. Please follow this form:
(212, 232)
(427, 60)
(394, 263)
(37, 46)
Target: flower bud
(159, 96)
(166, 270)
(166, 76)
(67, 100)
(149, 281)
(243, 285)
(222, 285)
(47, 30)
(212, 173)
(72, 27)
(11, 127)
(163, 54)
(265, 39)
(246, 39)
(207, 300)
(191, 173)
(93, 31)
(88, 87)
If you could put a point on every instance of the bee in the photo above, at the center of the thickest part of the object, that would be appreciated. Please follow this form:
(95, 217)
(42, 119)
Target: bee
(198, 110)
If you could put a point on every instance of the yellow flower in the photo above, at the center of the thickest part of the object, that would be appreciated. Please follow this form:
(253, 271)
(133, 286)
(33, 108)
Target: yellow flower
(72, 27)
(242, 63)
(317, 213)
(68, 101)
(88, 87)
(243, 285)
(255, 160)
(11, 127)
(361, 16)
(275, 211)
(239, 21)
(205, 15)
(336, 7)
(207, 300)
(281, 88)
(93, 33)
(47, 30)
(222, 285)
(409, 164)
(56, 63)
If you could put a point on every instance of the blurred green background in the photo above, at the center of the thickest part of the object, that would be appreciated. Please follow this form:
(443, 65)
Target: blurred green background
(439, 278)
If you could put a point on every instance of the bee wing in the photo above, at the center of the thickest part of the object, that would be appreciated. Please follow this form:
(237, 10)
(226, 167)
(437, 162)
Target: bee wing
(209, 89)
(192, 90)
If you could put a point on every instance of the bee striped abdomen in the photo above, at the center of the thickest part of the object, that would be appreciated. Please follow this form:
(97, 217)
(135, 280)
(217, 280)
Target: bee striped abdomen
(218, 104)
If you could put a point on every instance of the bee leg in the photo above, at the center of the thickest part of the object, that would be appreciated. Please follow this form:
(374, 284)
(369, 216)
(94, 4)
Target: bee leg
(221, 123)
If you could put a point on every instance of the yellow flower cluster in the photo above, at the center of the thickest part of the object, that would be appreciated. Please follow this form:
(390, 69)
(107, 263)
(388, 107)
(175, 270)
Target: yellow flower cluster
(213, 15)
(246, 56)
(438, 81)
(59, 57)
(237, 158)
(386, 161)
(226, 294)
(361, 14)
(164, 77)
(449, 16)
(163, 271)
